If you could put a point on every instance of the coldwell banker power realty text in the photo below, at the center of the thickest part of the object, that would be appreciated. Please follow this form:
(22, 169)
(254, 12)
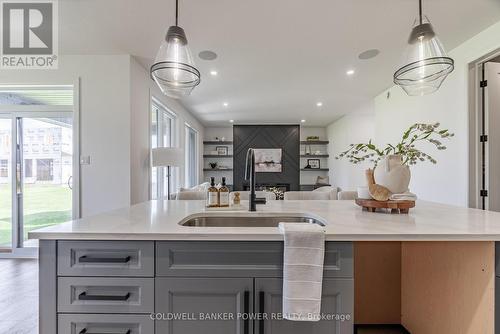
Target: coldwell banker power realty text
(29, 34)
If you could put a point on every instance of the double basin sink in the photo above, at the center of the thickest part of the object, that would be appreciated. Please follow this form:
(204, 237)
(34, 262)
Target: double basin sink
(247, 221)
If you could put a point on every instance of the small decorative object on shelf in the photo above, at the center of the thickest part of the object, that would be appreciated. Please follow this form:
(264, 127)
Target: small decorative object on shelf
(280, 194)
(222, 150)
(313, 163)
(312, 138)
(213, 165)
(307, 150)
(307, 166)
(322, 180)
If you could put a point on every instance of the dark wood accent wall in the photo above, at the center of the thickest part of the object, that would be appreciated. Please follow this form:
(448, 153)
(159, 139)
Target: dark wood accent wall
(286, 137)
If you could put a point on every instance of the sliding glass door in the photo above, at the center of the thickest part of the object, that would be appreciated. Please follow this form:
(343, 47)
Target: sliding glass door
(46, 165)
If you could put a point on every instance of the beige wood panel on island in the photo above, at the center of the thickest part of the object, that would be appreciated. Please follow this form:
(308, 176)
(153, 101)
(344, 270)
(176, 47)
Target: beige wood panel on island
(377, 283)
(448, 287)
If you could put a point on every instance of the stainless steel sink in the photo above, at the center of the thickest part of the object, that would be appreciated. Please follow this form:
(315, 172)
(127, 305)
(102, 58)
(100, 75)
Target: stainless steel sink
(260, 221)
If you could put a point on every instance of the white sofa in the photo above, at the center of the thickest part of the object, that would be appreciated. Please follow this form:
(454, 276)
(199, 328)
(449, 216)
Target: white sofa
(322, 193)
(198, 192)
(347, 195)
(244, 195)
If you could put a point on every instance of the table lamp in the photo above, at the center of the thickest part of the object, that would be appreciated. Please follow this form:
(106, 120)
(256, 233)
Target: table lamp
(167, 157)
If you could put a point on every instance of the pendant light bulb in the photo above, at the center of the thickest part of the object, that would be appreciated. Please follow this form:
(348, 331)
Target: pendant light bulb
(174, 70)
(426, 63)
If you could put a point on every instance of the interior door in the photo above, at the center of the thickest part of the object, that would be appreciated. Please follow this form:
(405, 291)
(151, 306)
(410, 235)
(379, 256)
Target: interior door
(6, 223)
(197, 297)
(492, 115)
(336, 300)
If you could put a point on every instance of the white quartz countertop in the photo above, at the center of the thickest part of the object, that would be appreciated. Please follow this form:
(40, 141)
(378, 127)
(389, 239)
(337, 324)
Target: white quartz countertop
(159, 220)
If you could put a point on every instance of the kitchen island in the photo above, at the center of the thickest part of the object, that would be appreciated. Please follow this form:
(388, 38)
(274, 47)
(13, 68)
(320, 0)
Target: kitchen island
(127, 271)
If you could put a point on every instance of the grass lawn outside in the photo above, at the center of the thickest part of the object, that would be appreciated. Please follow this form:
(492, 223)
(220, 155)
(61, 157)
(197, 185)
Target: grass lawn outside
(44, 205)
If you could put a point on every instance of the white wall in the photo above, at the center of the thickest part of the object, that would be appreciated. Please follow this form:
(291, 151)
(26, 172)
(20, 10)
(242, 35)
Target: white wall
(142, 88)
(306, 131)
(353, 128)
(104, 123)
(446, 182)
(212, 132)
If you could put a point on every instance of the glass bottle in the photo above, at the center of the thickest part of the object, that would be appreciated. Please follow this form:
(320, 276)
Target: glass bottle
(213, 195)
(223, 194)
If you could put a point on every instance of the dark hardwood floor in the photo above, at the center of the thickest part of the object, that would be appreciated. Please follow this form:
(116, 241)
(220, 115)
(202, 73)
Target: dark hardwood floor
(18, 296)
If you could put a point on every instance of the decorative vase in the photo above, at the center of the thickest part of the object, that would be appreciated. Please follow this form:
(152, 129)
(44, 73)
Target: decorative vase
(392, 174)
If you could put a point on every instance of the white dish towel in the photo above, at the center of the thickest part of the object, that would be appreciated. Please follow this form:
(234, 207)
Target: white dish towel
(407, 196)
(302, 270)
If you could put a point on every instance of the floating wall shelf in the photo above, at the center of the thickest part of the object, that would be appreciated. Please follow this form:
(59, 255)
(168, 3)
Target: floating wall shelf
(214, 142)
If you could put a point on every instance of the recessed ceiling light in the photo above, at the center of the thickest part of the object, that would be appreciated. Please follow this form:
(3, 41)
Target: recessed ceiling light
(207, 55)
(225, 104)
(319, 104)
(213, 73)
(350, 72)
(231, 121)
(369, 54)
(302, 120)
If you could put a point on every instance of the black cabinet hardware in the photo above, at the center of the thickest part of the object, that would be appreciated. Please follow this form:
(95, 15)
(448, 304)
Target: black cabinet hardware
(84, 331)
(84, 296)
(262, 295)
(246, 310)
(87, 259)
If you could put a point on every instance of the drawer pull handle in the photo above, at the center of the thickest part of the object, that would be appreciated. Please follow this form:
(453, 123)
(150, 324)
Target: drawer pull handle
(246, 311)
(262, 306)
(84, 296)
(86, 259)
(84, 331)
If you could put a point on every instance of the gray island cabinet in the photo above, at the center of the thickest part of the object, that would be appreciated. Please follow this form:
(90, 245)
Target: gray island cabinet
(182, 287)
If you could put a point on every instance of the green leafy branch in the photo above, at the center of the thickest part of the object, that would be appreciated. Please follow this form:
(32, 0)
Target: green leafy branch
(406, 148)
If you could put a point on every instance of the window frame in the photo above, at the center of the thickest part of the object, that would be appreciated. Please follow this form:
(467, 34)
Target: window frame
(188, 181)
(158, 178)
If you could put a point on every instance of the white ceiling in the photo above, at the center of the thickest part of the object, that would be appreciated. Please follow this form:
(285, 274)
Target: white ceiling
(276, 58)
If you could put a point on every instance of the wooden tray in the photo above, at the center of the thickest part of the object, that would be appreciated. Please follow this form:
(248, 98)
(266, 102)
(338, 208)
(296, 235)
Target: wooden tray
(395, 206)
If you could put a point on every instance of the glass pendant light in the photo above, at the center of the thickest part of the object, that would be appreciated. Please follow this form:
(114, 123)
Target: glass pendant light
(426, 62)
(174, 70)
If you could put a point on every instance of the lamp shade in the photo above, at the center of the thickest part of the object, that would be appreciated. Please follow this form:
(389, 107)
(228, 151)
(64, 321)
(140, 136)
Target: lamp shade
(426, 64)
(167, 156)
(174, 70)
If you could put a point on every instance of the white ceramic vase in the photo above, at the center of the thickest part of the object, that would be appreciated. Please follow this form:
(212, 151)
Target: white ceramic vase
(391, 174)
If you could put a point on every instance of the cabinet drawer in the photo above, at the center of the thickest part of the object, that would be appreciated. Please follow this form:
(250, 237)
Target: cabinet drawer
(241, 259)
(105, 258)
(105, 295)
(104, 323)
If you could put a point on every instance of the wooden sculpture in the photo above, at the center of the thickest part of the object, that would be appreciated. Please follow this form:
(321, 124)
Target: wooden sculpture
(378, 192)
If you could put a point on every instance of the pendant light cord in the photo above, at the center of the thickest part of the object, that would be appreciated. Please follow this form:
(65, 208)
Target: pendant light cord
(176, 12)
(420, 10)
